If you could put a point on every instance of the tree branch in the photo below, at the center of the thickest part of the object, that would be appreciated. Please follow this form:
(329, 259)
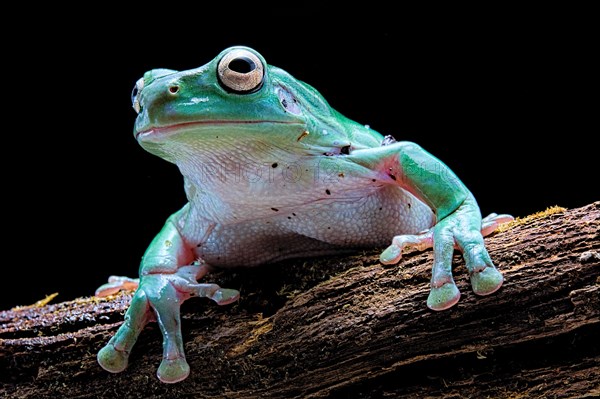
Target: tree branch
(346, 327)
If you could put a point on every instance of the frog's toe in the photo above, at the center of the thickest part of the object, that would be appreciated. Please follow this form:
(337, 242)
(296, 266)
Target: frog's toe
(171, 371)
(486, 281)
(112, 360)
(116, 284)
(222, 296)
(444, 297)
(392, 254)
(225, 296)
(491, 222)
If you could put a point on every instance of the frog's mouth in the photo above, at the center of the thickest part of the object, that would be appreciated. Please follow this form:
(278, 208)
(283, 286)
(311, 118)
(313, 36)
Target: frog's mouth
(167, 130)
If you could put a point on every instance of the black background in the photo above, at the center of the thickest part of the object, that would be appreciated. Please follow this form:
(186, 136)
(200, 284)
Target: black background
(508, 100)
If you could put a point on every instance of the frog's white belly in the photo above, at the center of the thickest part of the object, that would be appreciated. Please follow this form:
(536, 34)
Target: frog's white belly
(320, 228)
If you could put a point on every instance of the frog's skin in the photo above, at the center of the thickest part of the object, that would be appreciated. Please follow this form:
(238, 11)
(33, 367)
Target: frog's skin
(272, 172)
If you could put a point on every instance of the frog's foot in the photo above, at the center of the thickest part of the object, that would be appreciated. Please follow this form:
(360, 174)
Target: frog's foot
(463, 230)
(444, 293)
(116, 284)
(159, 298)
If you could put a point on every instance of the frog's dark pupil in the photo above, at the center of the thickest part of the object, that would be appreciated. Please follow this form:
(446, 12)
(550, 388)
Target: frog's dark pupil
(242, 65)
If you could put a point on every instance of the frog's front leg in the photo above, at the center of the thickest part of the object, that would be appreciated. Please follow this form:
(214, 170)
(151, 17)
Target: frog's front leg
(168, 278)
(459, 223)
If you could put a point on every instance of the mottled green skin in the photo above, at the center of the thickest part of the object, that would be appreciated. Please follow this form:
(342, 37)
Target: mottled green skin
(273, 172)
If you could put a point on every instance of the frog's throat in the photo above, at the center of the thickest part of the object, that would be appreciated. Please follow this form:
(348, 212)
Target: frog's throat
(170, 129)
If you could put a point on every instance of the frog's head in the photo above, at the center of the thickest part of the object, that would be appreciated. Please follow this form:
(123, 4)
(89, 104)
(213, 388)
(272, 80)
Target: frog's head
(234, 102)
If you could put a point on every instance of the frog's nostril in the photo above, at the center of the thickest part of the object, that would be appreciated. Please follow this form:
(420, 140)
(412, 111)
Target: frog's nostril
(173, 89)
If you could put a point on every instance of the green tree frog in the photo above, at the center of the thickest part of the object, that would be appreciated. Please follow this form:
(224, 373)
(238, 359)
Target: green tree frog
(272, 172)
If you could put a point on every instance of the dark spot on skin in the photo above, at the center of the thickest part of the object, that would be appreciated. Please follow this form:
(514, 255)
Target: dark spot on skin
(199, 245)
(275, 209)
(284, 103)
(216, 137)
(274, 165)
(409, 205)
(392, 176)
(328, 228)
(345, 150)
(373, 180)
(340, 174)
(293, 214)
(380, 208)
(328, 192)
(289, 217)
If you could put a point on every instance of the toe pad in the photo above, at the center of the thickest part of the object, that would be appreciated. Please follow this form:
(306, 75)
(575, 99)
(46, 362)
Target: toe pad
(487, 281)
(112, 360)
(171, 371)
(444, 297)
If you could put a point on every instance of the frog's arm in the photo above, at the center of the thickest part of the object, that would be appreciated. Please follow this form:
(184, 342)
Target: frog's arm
(459, 221)
(168, 277)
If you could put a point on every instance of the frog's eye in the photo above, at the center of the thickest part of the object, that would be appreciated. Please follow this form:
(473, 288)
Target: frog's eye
(135, 95)
(240, 71)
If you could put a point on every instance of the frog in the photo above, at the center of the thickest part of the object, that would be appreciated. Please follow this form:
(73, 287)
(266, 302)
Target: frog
(272, 172)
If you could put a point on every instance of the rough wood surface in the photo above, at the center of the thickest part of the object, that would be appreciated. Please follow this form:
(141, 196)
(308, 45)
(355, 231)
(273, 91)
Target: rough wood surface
(347, 327)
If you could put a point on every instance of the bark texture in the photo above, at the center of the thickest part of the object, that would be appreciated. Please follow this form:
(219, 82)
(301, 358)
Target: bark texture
(346, 327)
